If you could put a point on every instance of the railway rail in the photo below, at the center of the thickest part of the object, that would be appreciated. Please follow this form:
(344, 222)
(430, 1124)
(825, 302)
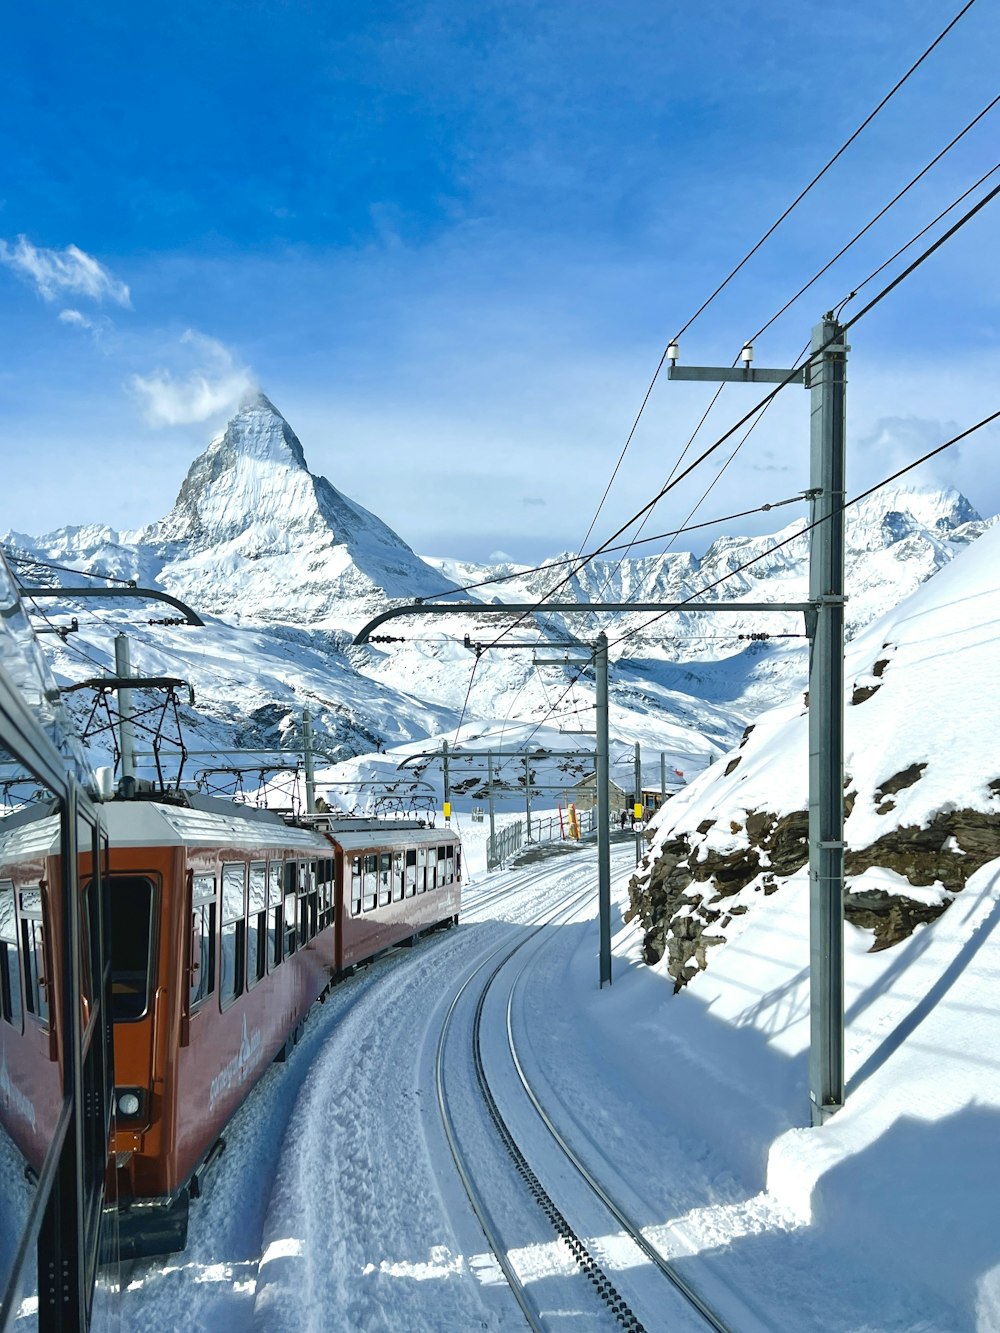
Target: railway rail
(688, 1309)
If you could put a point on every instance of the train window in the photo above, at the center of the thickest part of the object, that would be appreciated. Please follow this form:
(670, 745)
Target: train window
(458, 863)
(410, 887)
(355, 885)
(257, 923)
(397, 876)
(33, 955)
(324, 877)
(449, 874)
(202, 954)
(10, 964)
(274, 898)
(307, 907)
(370, 896)
(384, 879)
(202, 940)
(131, 911)
(233, 935)
(288, 913)
(421, 870)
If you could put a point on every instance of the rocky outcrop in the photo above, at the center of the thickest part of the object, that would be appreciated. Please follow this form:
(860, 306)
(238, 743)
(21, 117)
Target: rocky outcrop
(690, 893)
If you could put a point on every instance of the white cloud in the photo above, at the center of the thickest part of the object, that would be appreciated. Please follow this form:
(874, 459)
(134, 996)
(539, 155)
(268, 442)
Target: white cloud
(215, 385)
(97, 328)
(56, 272)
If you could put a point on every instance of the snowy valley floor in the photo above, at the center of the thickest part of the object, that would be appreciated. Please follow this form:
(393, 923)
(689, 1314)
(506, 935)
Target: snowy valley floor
(336, 1205)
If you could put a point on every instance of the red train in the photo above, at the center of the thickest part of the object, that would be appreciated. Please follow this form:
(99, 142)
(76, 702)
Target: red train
(227, 924)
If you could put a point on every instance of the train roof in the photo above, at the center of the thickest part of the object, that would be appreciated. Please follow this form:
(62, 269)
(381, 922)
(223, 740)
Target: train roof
(23, 837)
(382, 833)
(152, 824)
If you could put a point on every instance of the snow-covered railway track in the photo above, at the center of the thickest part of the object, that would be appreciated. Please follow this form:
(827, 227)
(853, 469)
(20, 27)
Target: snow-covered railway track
(618, 1211)
(572, 1260)
(684, 1308)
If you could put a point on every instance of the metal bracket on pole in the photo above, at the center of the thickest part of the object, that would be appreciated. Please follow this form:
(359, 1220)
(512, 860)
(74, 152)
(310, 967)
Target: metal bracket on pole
(114, 594)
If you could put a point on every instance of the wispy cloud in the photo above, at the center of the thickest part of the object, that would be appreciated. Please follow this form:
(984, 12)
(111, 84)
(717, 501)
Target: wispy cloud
(57, 273)
(215, 385)
(97, 328)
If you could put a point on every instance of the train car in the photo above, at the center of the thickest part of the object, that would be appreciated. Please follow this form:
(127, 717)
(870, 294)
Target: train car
(228, 923)
(55, 1032)
(393, 883)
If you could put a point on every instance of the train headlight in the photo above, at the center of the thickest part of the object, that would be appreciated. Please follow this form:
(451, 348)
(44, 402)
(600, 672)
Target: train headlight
(128, 1103)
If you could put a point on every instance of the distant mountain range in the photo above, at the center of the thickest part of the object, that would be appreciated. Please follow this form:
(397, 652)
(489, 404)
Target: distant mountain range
(290, 568)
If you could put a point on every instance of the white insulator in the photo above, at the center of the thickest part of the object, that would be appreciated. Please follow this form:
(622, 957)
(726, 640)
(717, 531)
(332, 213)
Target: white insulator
(746, 356)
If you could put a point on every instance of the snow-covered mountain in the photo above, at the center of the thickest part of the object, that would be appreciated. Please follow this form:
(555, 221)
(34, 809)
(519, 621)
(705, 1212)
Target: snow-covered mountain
(291, 568)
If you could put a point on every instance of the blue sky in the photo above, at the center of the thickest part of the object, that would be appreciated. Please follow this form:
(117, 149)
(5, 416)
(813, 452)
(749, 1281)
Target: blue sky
(451, 240)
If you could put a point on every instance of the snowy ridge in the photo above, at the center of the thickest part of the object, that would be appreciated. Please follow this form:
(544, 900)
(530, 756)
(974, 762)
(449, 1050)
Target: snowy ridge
(292, 567)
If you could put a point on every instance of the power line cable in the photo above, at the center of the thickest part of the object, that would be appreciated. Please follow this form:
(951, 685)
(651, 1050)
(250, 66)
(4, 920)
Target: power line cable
(916, 237)
(820, 174)
(608, 550)
(878, 216)
(911, 268)
(862, 495)
(65, 569)
(750, 253)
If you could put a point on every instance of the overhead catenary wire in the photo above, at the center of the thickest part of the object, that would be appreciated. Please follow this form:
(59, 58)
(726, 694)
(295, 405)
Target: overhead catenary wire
(877, 217)
(65, 569)
(783, 384)
(856, 499)
(753, 250)
(609, 550)
(871, 305)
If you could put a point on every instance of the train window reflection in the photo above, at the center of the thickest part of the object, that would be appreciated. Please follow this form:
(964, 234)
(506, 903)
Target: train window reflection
(36, 983)
(131, 946)
(10, 966)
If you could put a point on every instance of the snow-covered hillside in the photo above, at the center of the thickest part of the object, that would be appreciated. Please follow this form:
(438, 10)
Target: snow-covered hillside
(921, 794)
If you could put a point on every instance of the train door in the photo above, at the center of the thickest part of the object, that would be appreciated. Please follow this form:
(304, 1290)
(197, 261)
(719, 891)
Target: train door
(133, 900)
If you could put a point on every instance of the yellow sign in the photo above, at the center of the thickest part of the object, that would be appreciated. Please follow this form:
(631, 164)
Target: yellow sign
(447, 809)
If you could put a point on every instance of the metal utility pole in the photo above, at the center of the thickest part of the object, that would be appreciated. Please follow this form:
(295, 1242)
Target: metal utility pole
(126, 733)
(602, 777)
(638, 801)
(307, 759)
(489, 794)
(663, 777)
(828, 393)
(600, 661)
(527, 795)
(825, 375)
(447, 782)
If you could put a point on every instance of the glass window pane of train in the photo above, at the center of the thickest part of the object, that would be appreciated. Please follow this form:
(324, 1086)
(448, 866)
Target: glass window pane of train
(32, 1087)
(233, 892)
(230, 976)
(355, 884)
(274, 893)
(202, 953)
(274, 935)
(397, 877)
(131, 898)
(258, 887)
(256, 923)
(36, 999)
(11, 1009)
(289, 922)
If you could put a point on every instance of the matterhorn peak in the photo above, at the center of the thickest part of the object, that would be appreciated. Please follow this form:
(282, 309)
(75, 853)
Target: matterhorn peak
(253, 474)
(250, 512)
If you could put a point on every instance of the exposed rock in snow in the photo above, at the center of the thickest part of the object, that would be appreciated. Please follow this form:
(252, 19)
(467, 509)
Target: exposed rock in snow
(921, 707)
